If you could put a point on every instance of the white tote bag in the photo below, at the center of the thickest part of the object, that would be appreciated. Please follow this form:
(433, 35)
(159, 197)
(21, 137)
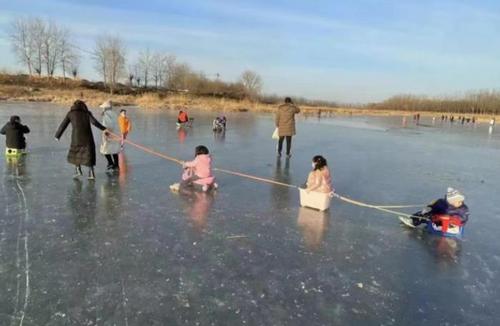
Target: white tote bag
(275, 134)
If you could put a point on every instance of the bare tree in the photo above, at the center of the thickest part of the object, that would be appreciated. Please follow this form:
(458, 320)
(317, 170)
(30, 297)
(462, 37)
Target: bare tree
(157, 68)
(180, 77)
(252, 83)
(51, 47)
(131, 75)
(168, 73)
(109, 57)
(144, 65)
(69, 58)
(22, 43)
(74, 72)
(37, 32)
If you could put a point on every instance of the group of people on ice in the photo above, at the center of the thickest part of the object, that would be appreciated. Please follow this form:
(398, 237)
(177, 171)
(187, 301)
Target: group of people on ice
(82, 148)
(198, 173)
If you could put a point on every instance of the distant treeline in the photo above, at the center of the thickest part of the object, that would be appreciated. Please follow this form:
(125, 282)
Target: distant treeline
(484, 102)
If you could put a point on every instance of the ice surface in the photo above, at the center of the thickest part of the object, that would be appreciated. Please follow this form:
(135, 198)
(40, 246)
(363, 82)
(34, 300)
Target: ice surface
(124, 250)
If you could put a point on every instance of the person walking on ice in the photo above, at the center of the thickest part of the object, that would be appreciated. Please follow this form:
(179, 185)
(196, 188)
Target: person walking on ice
(110, 146)
(14, 132)
(285, 122)
(82, 148)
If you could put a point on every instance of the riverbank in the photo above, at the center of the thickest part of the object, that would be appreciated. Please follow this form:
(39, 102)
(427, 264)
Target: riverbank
(65, 94)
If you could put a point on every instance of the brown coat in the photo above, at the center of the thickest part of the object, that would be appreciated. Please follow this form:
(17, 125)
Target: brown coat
(285, 119)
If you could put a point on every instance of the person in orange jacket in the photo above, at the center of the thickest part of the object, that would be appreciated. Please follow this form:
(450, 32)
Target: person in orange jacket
(182, 117)
(124, 124)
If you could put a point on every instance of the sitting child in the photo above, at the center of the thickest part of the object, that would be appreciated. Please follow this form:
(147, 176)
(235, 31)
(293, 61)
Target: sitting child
(182, 117)
(14, 133)
(219, 124)
(197, 173)
(319, 178)
(451, 206)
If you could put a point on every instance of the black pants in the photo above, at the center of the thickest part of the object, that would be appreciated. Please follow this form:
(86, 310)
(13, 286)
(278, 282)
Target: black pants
(112, 160)
(288, 144)
(419, 218)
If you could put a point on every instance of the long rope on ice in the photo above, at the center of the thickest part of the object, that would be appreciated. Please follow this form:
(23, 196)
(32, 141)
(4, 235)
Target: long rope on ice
(382, 208)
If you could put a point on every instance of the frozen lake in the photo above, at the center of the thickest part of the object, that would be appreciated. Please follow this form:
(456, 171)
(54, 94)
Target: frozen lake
(124, 250)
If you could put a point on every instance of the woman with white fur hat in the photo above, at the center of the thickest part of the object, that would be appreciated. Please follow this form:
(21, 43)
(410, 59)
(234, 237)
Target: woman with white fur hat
(451, 205)
(110, 146)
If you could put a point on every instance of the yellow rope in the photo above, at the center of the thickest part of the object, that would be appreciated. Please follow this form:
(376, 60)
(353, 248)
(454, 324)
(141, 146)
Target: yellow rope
(385, 209)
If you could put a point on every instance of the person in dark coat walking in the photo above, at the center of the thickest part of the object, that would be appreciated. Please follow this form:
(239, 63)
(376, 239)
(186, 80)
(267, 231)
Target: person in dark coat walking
(14, 133)
(285, 122)
(82, 149)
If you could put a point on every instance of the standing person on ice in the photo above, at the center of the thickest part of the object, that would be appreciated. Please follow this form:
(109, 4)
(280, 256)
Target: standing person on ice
(14, 133)
(82, 148)
(285, 122)
(319, 178)
(197, 172)
(110, 146)
(452, 205)
(125, 125)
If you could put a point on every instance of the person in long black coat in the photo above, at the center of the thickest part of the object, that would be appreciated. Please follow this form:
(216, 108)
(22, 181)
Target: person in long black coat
(82, 149)
(14, 133)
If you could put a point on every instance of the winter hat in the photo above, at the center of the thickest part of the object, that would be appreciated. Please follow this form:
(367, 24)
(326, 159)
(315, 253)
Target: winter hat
(106, 105)
(453, 195)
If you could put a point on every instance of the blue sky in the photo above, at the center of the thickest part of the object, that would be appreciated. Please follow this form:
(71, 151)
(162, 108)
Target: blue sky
(348, 51)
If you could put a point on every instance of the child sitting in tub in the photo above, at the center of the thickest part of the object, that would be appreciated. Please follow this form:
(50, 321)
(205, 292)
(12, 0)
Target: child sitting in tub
(319, 178)
(198, 172)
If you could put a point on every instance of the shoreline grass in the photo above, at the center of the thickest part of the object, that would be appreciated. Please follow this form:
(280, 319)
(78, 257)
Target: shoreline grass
(62, 95)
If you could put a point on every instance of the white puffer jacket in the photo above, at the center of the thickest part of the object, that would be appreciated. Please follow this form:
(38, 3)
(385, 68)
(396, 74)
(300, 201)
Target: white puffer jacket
(110, 144)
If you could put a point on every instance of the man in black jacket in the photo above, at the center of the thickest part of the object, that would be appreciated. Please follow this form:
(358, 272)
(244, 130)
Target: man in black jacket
(14, 132)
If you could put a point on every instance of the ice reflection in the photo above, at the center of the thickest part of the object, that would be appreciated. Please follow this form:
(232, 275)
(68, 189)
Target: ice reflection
(181, 135)
(199, 205)
(313, 224)
(82, 202)
(16, 166)
(444, 250)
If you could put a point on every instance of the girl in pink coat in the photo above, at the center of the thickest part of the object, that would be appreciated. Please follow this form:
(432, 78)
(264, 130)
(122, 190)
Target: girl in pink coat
(198, 172)
(319, 178)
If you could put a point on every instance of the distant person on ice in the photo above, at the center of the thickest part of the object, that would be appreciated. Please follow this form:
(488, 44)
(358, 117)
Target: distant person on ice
(198, 172)
(285, 122)
(219, 124)
(319, 178)
(124, 124)
(82, 148)
(14, 133)
(110, 146)
(182, 117)
(452, 205)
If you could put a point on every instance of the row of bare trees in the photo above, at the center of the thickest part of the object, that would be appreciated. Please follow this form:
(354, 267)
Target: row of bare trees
(152, 68)
(42, 45)
(483, 102)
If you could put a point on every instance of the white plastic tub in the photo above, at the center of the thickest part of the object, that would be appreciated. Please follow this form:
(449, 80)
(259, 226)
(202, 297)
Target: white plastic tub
(316, 200)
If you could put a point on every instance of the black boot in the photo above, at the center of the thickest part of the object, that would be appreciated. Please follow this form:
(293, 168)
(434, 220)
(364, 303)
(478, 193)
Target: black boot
(78, 172)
